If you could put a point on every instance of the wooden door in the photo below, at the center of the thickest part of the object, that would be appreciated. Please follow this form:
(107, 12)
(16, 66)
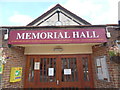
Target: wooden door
(69, 72)
(59, 71)
(87, 75)
(39, 76)
(48, 72)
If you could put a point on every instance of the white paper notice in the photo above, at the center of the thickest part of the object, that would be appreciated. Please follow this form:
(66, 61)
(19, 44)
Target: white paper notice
(50, 71)
(100, 75)
(98, 62)
(37, 66)
(67, 71)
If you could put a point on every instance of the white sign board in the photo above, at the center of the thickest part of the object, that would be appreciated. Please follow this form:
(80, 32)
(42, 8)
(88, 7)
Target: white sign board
(67, 71)
(37, 66)
(50, 71)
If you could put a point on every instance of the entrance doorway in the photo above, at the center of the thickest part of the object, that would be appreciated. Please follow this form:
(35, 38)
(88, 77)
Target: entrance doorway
(58, 71)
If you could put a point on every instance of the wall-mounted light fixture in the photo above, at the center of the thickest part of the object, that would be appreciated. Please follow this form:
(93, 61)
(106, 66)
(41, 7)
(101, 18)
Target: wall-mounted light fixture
(6, 35)
(58, 49)
(107, 32)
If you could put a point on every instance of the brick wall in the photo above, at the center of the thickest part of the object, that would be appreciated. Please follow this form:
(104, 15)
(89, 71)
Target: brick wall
(113, 67)
(16, 59)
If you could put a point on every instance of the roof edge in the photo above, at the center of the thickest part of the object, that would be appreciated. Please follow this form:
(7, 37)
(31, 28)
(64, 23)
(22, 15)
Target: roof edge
(33, 27)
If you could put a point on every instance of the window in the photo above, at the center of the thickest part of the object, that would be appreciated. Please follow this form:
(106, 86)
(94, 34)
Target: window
(85, 68)
(102, 70)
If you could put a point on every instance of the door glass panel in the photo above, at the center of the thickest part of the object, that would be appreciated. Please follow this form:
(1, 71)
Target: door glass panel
(47, 69)
(69, 70)
(31, 70)
(85, 68)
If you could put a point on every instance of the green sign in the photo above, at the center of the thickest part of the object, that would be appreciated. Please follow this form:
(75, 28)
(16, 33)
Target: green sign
(17, 73)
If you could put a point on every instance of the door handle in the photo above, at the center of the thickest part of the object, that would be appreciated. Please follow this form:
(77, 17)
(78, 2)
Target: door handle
(57, 82)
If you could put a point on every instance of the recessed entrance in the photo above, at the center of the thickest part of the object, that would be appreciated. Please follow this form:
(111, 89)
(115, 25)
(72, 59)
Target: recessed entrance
(58, 71)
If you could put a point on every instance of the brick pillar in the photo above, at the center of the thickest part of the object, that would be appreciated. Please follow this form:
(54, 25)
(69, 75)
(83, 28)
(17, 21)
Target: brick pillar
(16, 59)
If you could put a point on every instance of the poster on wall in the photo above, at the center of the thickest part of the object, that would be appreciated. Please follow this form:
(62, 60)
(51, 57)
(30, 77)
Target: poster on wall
(16, 74)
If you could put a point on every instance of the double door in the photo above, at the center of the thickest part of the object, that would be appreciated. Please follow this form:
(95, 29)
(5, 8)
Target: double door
(58, 71)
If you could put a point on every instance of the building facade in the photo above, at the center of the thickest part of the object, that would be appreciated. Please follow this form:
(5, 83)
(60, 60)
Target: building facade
(61, 50)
